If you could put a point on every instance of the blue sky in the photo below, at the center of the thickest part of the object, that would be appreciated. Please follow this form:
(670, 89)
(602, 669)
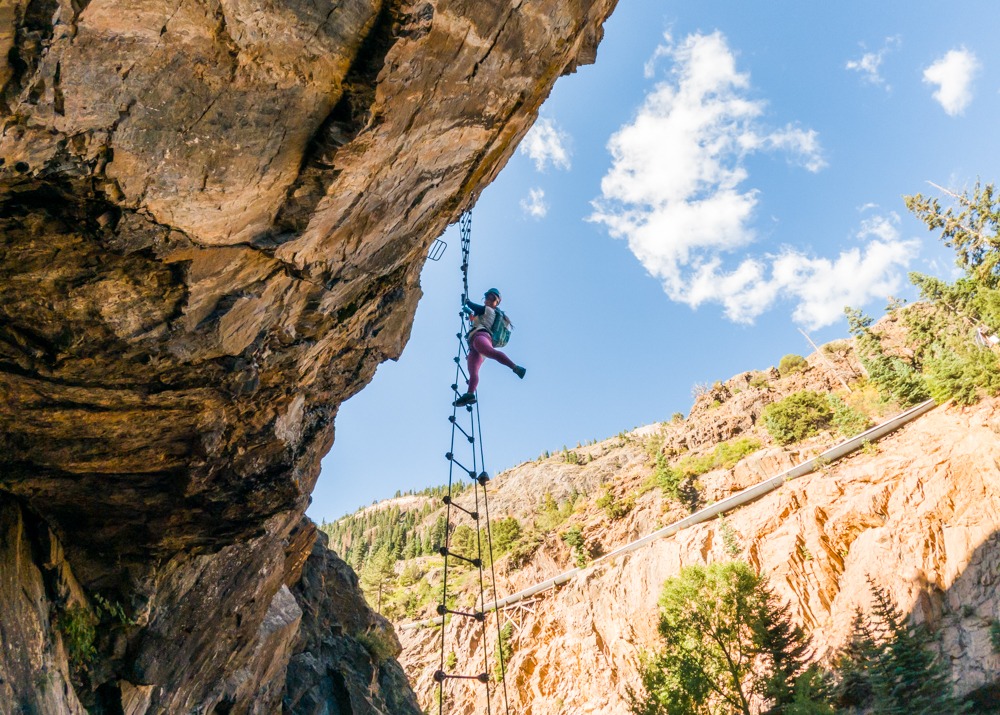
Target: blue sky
(726, 173)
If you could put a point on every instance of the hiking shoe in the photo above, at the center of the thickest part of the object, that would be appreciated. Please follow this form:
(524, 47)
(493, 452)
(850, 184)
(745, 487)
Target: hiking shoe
(467, 399)
(519, 371)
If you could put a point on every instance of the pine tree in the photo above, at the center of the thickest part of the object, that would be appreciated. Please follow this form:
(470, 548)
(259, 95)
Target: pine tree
(908, 679)
(853, 690)
(377, 575)
(888, 668)
(785, 646)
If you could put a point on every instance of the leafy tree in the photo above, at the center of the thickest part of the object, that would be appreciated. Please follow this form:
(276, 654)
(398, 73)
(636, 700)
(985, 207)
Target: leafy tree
(724, 638)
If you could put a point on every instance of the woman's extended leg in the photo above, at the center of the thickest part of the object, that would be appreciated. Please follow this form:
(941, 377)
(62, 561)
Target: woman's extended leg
(474, 361)
(483, 344)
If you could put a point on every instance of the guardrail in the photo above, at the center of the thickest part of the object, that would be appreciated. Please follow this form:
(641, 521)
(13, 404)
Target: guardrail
(746, 496)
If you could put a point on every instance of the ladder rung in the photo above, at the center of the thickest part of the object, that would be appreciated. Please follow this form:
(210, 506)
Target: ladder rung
(445, 551)
(467, 435)
(477, 615)
(471, 472)
(473, 514)
(440, 675)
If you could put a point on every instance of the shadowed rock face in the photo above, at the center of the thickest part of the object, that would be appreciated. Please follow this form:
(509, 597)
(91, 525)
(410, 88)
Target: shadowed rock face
(213, 215)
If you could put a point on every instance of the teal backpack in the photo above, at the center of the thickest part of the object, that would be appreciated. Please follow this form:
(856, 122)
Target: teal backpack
(500, 332)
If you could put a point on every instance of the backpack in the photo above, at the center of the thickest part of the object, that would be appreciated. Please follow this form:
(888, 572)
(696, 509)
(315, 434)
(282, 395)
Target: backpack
(500, 332)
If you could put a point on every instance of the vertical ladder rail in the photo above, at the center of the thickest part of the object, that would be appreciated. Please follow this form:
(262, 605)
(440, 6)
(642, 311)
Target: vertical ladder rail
(480, 478)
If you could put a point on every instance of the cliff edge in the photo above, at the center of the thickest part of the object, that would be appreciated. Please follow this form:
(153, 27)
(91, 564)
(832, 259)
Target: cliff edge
(213, 216)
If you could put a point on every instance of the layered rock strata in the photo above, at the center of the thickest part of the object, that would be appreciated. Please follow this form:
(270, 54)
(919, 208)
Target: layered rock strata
(213, 215)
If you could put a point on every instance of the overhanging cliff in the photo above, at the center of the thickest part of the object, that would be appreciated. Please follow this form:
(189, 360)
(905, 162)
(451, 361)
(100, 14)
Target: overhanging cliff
(213, 216)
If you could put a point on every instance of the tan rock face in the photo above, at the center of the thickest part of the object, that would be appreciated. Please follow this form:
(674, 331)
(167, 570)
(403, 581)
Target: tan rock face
(213, 215)
(921, 517)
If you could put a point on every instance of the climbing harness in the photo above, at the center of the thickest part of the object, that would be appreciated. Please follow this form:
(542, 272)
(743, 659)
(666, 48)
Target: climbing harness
(474, 467)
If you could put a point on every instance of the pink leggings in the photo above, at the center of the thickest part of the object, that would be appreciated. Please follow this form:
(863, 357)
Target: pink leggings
(480, 348)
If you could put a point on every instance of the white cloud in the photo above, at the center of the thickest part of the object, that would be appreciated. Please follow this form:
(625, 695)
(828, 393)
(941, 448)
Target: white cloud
(821, 287)
(871, 62)
(953, 76)
(675, 192)
(649, 69)
(545, 142)
(534, 203)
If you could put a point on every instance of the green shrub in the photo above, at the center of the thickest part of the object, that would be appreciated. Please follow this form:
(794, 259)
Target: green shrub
(995, 636)
(726, 454)
(677, 417)
(504, 651)
(505, 532)
(896, 380)
(524, 548)
(379, 644)
(730, 540)
(729, 453)
(551, 513)
(574, 539)
(964, 376)
(759, 380)
(847, 420)
(791, 364)
(696, 466)
(796, 417)
(613, 507)
(78, 628)
(667, 478)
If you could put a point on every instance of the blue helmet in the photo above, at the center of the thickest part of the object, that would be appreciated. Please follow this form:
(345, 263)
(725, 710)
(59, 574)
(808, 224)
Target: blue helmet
(493, 291)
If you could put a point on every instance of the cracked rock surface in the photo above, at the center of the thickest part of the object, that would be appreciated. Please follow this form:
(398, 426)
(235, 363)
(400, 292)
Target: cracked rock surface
(213, 216)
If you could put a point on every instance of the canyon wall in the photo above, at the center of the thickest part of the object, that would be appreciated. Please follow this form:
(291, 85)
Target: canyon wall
(213, 217)
(918, 512)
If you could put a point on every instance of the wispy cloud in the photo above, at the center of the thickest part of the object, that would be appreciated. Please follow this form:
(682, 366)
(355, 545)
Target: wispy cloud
(534, 203)
(676, 192)
(546, 143)
(953, 75)
(870, 63)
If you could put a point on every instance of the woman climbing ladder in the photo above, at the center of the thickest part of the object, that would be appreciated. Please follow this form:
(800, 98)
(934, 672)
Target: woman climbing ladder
(483, 319)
